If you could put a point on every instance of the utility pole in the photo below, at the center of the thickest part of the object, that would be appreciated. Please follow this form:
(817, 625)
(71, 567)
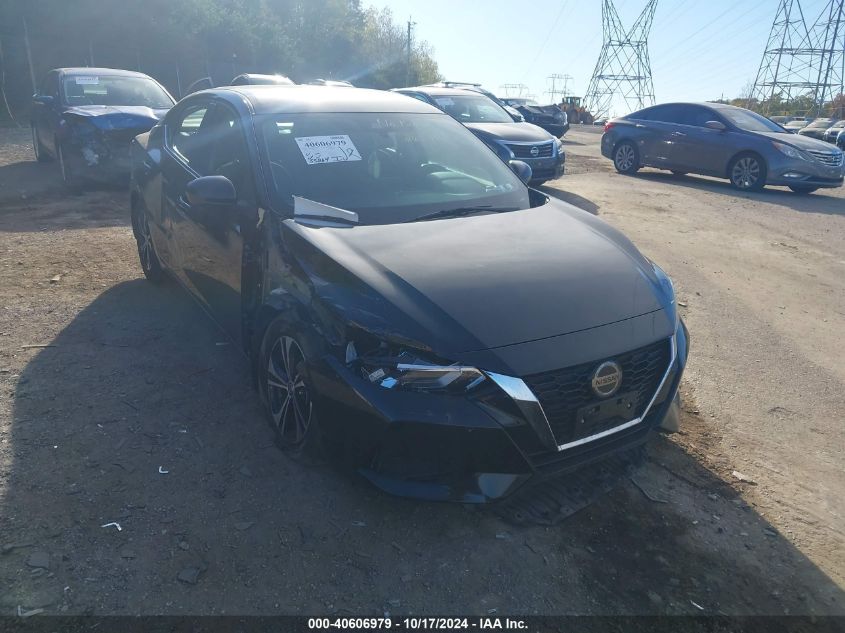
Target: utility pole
(28, 54)
(411, 25)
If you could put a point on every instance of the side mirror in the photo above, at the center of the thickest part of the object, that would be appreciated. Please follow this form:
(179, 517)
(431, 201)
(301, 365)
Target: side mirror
(716, 125)
(43, 99)
(211, 190)
(521, 169)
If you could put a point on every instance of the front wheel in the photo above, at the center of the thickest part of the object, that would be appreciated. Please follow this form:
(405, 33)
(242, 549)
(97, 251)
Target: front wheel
(626, 159)
(40, 155)
(802, 190)
(69, 176)
(286, 391)
(747, 172)
(150, 263)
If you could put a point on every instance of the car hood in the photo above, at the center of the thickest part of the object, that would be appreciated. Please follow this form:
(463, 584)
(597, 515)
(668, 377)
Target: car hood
(479, 282)
(798, 140)
(118, 117)
(511, 132)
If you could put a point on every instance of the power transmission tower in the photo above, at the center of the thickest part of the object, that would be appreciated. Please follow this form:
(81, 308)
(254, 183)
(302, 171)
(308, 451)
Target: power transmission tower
(519, 88)
(803, 60)
(554, 91)
(624, 68)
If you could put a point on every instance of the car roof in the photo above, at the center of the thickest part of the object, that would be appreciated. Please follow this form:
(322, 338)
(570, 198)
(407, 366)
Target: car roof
(112, 72)
(438, 91)
(298, 99)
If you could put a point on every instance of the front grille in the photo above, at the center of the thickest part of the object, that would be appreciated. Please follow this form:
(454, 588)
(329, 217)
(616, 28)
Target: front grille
(832, 159)
(563, 392)
(544, 150)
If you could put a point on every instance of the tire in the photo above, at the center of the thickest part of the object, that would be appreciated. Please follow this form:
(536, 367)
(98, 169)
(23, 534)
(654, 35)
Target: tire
(626, 158)
(747, 172)
(286, 392)
(150, 263)
(38, 149)
(69, 177)
(802, 190)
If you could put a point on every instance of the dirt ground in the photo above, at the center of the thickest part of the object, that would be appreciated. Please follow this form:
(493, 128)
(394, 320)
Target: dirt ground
(122, 404)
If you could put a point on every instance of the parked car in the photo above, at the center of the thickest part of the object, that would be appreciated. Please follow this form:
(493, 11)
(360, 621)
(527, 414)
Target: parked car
(253, 79)
(817, 128)
(337, 83)
(795, 125)
(513, 112)
(840, 140)
(404, 299)
(550, 117)
(487, 120)
(86, 117)
(722, 141)
(833, 131)
(781, 120)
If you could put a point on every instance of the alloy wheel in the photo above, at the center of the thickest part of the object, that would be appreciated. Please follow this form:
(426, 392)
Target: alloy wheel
(145, 242)
(287, 392)
(625, 158)
(62, 165)
(35, 143)
(746, 172)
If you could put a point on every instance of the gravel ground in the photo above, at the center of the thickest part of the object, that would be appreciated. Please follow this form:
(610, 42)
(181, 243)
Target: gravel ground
(122, 404)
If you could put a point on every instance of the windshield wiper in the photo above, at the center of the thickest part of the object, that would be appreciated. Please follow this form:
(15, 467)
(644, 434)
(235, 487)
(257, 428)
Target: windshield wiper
(457, 213)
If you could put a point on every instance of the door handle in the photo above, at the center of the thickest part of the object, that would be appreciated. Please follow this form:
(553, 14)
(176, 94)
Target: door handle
(183, 203)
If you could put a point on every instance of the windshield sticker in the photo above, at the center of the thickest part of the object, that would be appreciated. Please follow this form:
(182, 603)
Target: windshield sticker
(327, 149)
(444, 101)
(87, 81)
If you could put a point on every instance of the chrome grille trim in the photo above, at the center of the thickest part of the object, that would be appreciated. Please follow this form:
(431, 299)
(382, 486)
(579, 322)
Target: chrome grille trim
(831, 159)
(673, 355)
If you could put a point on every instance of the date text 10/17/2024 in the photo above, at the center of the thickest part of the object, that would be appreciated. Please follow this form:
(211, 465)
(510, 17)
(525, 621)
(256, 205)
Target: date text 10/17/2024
(419, 624)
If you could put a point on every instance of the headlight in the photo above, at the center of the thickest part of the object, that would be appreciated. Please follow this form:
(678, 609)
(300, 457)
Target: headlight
(559, 145)
(788, 150)
(408, 371)
(667, 289)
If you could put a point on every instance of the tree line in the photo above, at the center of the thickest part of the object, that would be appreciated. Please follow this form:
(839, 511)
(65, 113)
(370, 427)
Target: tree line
(178, 42)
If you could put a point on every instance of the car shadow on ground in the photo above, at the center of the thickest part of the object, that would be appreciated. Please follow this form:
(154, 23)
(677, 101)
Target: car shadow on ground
(143, 479)
(820, 201)
(572, 198)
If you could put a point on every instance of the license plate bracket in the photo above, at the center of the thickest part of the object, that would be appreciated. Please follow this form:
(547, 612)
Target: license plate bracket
(605, 414)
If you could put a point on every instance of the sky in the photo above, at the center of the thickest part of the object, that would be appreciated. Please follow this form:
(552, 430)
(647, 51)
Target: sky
(699, 49)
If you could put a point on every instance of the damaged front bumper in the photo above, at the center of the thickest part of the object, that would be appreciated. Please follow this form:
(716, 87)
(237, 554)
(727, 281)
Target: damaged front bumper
(101, 155)
(470, 449)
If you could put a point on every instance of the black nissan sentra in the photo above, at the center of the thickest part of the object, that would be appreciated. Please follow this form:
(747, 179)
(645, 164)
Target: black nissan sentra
(407, 302)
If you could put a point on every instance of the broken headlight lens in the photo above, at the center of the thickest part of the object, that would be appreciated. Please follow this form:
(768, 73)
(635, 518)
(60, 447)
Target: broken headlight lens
(407, 370)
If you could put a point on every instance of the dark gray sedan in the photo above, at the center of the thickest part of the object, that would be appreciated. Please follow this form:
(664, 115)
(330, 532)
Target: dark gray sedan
(722, 141)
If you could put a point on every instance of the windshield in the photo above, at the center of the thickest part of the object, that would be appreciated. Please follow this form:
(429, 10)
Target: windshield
(386, 167)
(750, 121)
(115, 91)
(821, 123)
(472, 109)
